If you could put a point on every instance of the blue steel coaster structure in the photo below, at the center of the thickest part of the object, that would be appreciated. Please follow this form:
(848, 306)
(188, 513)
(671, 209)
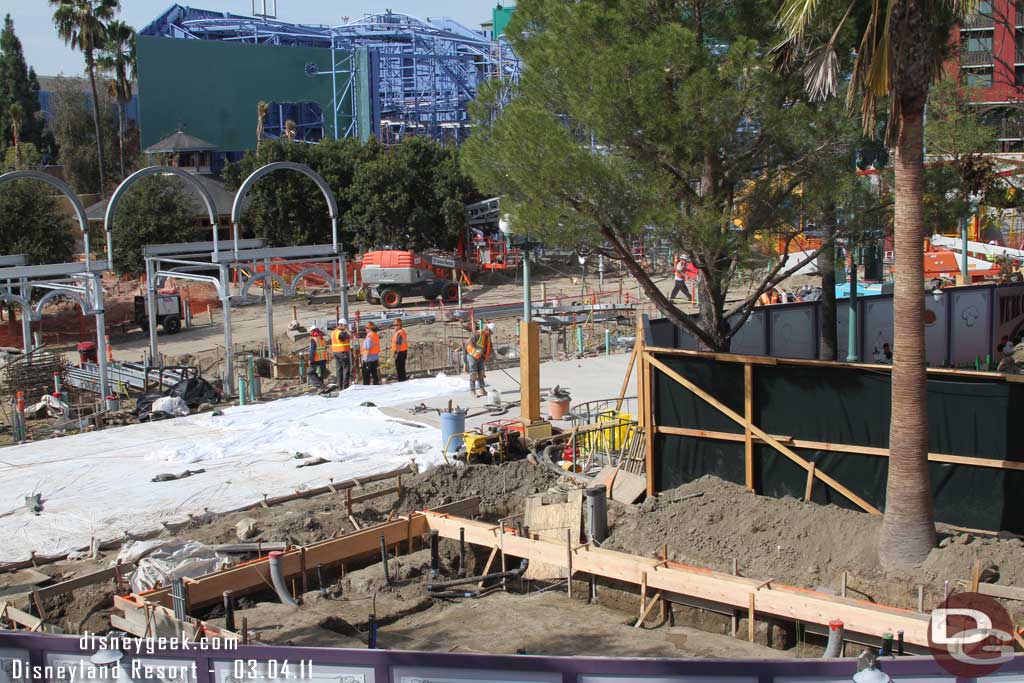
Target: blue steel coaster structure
(424, 71)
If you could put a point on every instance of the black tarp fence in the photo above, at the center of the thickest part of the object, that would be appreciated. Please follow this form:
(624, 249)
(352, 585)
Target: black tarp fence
(839, 404)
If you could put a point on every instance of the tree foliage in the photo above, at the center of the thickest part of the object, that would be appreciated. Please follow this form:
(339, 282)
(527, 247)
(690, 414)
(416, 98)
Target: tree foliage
(154, 211)
(32, 222)
(18, 86)
(74, 132)
(409, 196)
(636, 114)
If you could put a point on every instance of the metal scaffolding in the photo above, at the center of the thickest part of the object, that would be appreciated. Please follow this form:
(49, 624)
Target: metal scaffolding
(424, 72)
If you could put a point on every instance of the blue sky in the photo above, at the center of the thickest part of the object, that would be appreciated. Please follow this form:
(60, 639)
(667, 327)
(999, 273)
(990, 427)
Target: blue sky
(48, 54)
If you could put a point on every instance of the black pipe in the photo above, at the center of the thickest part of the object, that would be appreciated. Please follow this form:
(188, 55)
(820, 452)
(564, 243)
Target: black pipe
(229, 611)
(434, 539)
(371, 634)
(459, 594)
(320, 577)
(899, 643)
(512, 573)
(462, 550)
(384, 559)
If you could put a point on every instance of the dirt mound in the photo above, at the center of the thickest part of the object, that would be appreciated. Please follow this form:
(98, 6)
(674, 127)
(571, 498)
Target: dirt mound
(798, 543)
(502, 488)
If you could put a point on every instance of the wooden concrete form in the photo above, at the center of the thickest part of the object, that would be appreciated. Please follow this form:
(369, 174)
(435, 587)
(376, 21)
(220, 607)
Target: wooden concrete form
(331, 487)
(774, 599)
(151, 614)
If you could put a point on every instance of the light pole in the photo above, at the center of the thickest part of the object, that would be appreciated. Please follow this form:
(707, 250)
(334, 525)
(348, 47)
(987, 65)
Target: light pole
(505, 225)
(851, 347)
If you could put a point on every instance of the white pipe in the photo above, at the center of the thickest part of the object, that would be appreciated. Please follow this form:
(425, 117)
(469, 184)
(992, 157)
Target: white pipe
(278, 580)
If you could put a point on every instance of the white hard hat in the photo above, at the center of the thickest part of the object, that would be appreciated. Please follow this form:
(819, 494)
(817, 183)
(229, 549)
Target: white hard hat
(342, 323)
(491, 326)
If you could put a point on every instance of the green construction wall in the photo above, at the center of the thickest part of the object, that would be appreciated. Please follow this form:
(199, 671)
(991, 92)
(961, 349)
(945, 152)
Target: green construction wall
(211, 88)
(501, 16)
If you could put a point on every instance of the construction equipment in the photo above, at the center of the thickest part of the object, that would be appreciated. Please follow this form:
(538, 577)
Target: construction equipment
(390, 276)
(170, 311)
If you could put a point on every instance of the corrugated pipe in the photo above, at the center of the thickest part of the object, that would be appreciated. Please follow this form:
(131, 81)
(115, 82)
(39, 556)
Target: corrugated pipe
(545, 459)
(835, 640)
(278, 579)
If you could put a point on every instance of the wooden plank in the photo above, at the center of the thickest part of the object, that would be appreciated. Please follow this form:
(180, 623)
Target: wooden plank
(841, 448)
(997, 591)
(809, 488)
(85, 580)
(750, 617)
(23, 582)
(748, 436)
(769, 360)
(629, 373)
(787, 602)
(529, 371)
(488, 564)
(789, 453)
(647, 611)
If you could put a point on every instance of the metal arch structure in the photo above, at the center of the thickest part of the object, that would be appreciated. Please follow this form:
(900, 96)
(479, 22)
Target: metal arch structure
(331, 283)
(332, 209)
(56, 277)
(57, 293)
(64, 189)
(243, 190)
(191, 180)
(263, 276)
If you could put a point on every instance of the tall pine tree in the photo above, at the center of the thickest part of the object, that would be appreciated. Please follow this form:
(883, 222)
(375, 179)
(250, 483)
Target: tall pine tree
(18, 85)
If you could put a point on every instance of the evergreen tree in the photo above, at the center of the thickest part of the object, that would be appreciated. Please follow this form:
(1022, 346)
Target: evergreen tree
(18, 85)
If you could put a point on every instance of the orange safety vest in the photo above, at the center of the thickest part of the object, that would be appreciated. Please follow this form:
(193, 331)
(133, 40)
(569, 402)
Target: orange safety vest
(320, 352)
(484, 350)
(400, 340)
(768, 298)
(374, 349)
(339, 345)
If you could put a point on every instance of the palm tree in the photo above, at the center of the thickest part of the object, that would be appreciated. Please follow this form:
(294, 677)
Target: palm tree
(290, 130)
(899, 56)
(118, 59)
(81, 23)
(16, 114)
(261, 114)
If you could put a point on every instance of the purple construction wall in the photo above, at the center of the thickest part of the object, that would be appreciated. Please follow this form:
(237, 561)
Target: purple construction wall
(249, 663)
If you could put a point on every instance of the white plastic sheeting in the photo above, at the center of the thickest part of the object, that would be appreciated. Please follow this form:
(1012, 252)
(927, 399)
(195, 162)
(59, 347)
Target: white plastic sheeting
(98, 484)
(159, 562)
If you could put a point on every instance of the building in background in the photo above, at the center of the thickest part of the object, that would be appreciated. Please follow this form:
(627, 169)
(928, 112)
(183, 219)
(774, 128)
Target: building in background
(385, 75)
(990, 61)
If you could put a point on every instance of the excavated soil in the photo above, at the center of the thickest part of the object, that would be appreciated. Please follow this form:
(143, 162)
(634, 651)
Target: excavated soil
(802, 544)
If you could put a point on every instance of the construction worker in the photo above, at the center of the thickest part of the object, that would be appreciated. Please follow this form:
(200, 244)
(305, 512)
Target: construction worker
(341, 347)
(318, 356)
(769, 297)
(371, 355)
(679, 271)
(479, 349)
(400, 348)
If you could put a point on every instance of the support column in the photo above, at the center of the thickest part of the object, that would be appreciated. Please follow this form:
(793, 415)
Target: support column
(101, 336)
(268, 300)
(343, 284)
(225, 302)
(851, 349)
(151, 310)
(965, 271)
(26, 318)
(529, 371)
(527, 299)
